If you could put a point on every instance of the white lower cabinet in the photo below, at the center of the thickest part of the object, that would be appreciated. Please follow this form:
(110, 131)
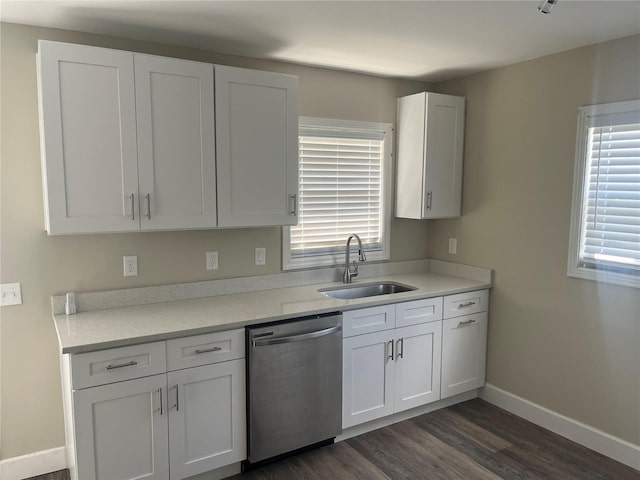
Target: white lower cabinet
(367, 378)
(206, 417)
(464, 352)
(392, 370)
(417, 365)
(171, 425)
(409, 356)
(121, 430)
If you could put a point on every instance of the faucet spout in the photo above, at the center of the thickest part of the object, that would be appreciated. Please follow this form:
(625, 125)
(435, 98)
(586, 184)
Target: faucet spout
(348, 273)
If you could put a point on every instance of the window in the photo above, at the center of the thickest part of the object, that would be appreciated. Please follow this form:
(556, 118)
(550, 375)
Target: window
(344, 175)
(605, 224)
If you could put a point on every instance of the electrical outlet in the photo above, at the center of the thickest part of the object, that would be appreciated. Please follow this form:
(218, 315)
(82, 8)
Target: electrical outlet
(10, 294)
(453, 246)
(261, 256)
(212, 260)
(130, 265)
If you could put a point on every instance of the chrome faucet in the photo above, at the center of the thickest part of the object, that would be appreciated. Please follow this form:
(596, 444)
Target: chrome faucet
(348, 274)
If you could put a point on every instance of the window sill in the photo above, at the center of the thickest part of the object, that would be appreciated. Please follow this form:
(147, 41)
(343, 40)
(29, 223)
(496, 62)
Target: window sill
(604, 276)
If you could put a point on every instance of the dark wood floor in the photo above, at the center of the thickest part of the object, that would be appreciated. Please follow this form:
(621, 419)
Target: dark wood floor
(468, 441)
(471, 440)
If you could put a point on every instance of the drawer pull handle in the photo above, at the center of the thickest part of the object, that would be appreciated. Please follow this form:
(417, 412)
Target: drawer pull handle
(465, 305)
(208, 350)
(468, 322)
(128, 364)
(177, 404)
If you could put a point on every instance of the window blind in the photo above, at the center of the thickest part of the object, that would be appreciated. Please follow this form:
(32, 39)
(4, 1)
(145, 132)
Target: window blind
(340, 181)
(610, 237)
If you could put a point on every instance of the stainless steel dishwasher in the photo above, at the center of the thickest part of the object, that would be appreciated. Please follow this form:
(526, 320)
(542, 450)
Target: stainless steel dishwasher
(294, 389)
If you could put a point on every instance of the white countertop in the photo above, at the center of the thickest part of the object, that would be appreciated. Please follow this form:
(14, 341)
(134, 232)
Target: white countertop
(116, 327)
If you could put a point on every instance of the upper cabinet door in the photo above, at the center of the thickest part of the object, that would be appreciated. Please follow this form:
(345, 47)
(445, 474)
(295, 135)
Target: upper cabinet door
(176, 143)
(257, 147)
(443, 150)
(88, 138)
(430, 154)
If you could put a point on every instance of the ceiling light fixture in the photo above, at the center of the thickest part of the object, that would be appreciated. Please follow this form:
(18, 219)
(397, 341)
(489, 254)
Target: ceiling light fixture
(546, 6)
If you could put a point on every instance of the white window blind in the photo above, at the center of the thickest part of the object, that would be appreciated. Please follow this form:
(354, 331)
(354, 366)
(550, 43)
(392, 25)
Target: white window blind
(605, 229)
(611, 223)
(342, 189)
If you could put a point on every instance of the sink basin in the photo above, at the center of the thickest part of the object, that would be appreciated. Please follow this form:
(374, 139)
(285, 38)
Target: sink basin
(366, 290)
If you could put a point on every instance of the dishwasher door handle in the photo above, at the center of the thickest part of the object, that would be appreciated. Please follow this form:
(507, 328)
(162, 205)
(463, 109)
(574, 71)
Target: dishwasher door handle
(297, 338)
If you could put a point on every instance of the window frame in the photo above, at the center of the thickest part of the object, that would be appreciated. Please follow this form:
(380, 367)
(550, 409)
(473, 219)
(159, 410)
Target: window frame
(325, 126)
(574, 269)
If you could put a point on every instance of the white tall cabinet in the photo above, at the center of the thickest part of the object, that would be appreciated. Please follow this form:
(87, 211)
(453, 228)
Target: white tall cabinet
(429, 156)
(257, 147)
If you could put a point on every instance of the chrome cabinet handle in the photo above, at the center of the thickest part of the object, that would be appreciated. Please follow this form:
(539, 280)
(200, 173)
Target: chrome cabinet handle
(148, 206)
(121, 365)
(207, 350)
(297, 338)
(160, 393)
(133, 208)
(294, 197)
(401, 348)
(177, 404)
(429, 197)
(390, 342)
(465, 305)
(465, 323)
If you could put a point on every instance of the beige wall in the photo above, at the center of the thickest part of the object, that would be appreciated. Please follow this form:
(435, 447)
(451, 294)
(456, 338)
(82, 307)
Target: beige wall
(570, 345)
(31, 398)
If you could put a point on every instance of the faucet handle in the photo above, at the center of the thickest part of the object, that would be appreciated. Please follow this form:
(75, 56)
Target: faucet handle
(355, 269)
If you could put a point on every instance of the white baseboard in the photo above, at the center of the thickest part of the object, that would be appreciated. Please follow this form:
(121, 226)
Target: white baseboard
(38, 463)
(613, 447)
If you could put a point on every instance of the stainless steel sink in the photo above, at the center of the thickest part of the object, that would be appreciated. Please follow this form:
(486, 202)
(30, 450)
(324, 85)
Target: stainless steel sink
(366, 290)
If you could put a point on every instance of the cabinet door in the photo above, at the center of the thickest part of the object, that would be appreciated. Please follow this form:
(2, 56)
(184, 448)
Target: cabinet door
(257, 147)
(206, 417)
(121, 430)
(88, 138)
(443, 152)
(367, 376)
(417, 363)
(176, 144)
(464, 351)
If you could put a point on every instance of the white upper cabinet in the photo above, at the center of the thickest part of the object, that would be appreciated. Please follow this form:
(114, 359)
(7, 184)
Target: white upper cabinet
(430, 154)
(88, 138)
(257, 147)
(176, 144)
(129, 142)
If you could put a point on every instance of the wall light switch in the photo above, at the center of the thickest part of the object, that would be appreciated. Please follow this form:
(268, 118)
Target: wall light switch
(10, 294)
(212, 260)
(453, 245)
(261, 256)
(130, 265)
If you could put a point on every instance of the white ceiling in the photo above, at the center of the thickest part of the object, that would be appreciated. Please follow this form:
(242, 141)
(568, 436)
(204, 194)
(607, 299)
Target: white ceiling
(426, 40)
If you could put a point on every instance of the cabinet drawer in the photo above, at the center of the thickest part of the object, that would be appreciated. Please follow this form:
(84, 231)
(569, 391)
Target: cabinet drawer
(419, 311)
(368, 320)
(117, 364)
(204, 349)
(466, 303)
